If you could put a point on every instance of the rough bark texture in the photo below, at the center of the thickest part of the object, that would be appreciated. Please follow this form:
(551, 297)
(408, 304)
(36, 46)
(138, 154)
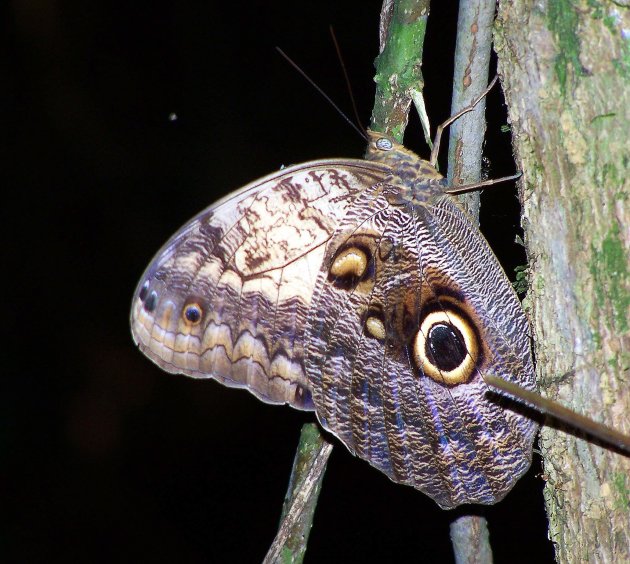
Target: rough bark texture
(566, 72)
(399, 64)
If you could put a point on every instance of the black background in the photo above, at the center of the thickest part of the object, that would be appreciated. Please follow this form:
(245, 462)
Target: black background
(105, 457)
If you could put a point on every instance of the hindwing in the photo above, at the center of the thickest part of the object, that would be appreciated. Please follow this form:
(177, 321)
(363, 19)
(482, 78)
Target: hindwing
(417, 418)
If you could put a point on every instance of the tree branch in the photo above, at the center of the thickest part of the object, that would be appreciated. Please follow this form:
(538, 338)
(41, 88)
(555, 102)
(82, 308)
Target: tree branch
(300, 501)
(469, 533)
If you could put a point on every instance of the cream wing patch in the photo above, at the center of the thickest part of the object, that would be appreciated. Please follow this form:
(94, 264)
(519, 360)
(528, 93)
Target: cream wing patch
(248, 265)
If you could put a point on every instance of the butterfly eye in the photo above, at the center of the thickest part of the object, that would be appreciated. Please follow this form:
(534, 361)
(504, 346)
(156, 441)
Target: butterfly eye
(192, 314)
(384, 144)
(446, 347)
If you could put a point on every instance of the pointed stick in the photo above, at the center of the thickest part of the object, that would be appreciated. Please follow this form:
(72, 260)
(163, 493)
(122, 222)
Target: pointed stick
(564, 414)
(477, 185)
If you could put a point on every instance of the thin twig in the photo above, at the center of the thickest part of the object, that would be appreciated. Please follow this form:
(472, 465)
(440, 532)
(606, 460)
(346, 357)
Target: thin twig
(309, 466)
(469, 533)
(579, 422)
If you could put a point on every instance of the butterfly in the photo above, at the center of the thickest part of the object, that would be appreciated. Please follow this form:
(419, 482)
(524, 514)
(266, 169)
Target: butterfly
(358, 289)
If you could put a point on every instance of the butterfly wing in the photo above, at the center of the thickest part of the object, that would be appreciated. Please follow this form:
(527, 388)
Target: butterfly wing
(352, 288)
(227, 296)
(397, 343)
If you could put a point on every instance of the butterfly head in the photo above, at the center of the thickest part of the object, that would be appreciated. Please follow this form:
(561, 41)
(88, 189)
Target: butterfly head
(383, 148)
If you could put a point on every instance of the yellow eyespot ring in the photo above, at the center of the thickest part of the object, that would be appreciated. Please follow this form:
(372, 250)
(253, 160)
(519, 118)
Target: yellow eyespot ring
(451, 331)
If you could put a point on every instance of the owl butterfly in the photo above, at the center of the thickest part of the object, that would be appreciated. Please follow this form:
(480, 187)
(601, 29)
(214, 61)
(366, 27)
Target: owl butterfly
(358, 289)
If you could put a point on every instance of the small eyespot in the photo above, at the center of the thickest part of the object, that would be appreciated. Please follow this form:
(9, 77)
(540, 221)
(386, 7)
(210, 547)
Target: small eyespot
(143, 291)
(375, 328)
(384, 144)
(350, 266)
(192, 313)
(151, 302)
(446, 347)
(350, 262)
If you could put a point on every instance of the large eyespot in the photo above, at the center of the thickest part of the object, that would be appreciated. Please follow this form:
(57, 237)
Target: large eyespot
(446, 347)
(384, 144)
(350, 265)
(192, 314)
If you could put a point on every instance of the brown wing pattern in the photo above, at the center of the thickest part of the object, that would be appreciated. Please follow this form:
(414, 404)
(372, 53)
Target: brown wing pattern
(360, 290)
(396, 350)
(228, 295)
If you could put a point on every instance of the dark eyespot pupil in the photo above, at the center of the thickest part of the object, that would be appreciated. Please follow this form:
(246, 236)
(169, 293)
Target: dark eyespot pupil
(445, 347)
(151, 302)
(143, 291)
(192, 314)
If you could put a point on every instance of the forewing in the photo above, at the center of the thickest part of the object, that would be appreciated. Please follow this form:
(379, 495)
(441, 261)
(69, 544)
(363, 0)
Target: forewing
(227, 296)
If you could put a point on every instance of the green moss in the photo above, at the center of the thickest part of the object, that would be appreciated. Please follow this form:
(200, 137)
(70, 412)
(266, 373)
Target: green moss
(399, 66)
(563, 23)
(287, 556)
(621, 491)
(609, 268)
(610, 22)
(622, 64)
(603, 116)
(402, 52)
(597, 12)
(521, 283)
(540, 284)
(610, 176)
(612, 361)
(398, 132)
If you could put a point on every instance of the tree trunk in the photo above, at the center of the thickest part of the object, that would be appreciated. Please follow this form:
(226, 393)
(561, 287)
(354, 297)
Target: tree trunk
(566, 73)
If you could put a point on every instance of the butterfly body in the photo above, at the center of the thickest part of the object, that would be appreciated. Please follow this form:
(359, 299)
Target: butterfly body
(358, 289)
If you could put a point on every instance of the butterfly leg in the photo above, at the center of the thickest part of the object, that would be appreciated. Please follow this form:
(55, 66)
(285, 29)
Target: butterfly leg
(441, 127)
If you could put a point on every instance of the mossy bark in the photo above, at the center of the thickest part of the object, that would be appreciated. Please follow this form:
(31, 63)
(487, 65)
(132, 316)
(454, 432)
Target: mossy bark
(565, 67)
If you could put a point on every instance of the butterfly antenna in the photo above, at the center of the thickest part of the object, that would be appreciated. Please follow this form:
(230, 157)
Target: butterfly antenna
(346, 77)
(326, 96)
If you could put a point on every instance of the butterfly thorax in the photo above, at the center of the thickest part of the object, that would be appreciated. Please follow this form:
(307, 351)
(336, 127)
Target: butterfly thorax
(416, 181)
